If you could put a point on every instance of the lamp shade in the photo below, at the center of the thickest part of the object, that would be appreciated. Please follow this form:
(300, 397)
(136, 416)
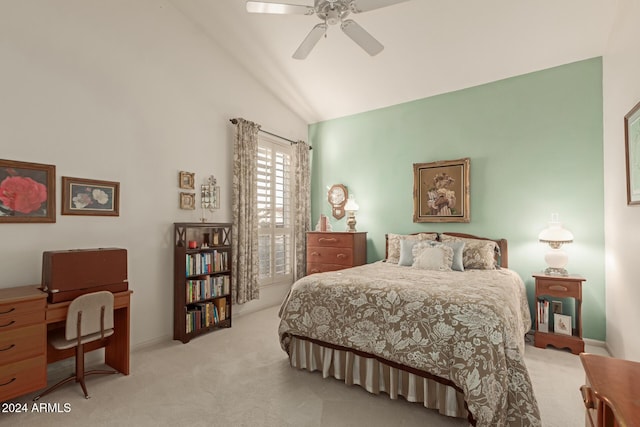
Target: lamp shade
(351, 205)
(555, 233)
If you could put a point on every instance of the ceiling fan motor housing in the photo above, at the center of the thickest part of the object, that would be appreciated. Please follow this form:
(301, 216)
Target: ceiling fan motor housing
(332, 12)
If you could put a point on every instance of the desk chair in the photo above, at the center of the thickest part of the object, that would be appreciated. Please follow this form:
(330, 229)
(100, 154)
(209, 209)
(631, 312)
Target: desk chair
(90, 318)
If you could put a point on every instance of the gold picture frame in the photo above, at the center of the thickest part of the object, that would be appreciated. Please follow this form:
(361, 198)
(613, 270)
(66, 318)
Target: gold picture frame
(187, 201)
(441, 191)
(187, 180)
(632, 154)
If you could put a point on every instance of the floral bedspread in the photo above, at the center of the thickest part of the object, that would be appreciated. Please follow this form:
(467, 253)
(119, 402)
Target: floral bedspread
(467, 327)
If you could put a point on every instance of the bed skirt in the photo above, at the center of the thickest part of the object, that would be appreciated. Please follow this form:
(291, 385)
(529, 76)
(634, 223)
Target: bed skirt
(376, 376)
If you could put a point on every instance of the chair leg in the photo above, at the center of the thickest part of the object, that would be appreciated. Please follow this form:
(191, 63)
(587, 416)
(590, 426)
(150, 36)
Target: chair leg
(78, 377)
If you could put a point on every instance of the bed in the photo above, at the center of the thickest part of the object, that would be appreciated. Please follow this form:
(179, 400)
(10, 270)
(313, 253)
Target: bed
(440, 321)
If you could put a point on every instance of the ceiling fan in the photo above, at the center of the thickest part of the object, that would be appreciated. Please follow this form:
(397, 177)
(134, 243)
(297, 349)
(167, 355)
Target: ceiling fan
(331, 12)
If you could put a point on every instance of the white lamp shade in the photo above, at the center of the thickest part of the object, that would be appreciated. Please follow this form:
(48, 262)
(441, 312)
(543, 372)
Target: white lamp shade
(351, 205)
(555, 233)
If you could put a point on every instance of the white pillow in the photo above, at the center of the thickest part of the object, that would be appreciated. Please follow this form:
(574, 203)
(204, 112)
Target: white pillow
(427, 257)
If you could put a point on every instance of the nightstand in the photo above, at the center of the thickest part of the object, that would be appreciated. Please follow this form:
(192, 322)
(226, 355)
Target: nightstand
(560, 287)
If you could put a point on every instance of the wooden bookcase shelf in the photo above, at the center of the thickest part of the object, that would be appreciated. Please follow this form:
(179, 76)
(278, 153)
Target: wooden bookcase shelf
(202, 279)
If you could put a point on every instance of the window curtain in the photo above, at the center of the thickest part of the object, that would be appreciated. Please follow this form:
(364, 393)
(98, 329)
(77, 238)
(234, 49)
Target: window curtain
(301, 205)
(244, 244)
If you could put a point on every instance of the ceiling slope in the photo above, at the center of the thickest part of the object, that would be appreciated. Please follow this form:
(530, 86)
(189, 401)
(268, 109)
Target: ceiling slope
(431, 47)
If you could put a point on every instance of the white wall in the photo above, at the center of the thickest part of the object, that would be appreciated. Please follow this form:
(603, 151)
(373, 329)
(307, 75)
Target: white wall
(622, 223)
(127, 91)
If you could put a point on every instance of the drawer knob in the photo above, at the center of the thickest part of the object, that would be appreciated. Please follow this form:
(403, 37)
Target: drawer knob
(8, 324)
(315, 254)
(341, 256)
(7, 348)
(327, 239)
(558, 288)
(8, 382)
(8, 311)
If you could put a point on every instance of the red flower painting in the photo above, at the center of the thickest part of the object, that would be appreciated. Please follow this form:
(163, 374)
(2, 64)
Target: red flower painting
(22, 194)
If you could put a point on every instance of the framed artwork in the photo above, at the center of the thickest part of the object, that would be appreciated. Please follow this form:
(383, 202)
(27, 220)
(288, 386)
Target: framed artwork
(27, 192)
(90, 197)
(187, 180)
(562, 324)
(441, 191)
(632, 151)
(187, 201)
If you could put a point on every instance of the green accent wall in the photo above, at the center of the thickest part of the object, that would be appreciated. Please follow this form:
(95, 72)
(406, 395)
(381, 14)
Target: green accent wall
(536, 147)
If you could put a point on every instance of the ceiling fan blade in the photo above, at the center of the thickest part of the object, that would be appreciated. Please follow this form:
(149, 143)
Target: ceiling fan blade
(361, 37)
(280, 8)
(359, 6)
(310, 41)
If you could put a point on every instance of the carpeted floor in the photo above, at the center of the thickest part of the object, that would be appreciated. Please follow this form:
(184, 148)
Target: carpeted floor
(241, 377)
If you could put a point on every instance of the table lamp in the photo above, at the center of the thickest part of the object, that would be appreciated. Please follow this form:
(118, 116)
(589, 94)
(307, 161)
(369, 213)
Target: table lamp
(555, 235)
(351, 207)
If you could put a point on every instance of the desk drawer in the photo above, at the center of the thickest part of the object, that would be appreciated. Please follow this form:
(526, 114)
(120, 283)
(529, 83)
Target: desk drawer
(22, 377)
(22, 343)
(340, 256)
(557, 288)
(21, 313)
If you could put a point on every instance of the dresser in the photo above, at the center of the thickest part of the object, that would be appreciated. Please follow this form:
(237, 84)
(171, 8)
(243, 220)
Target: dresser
(23, 341)
(611, 391)
(330, 251)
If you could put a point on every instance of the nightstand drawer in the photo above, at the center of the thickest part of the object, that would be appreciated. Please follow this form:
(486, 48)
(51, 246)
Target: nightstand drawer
(22, 343)
(558, 288)
(339, 256)
(22, 377)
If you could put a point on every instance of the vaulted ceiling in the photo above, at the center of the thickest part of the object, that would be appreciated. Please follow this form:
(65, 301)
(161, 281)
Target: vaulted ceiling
(431, 47)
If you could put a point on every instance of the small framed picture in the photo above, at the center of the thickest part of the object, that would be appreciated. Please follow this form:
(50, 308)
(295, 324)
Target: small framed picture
(82, 196)
(27, 192)
(187, 201)
(187, 180)
(562, 324)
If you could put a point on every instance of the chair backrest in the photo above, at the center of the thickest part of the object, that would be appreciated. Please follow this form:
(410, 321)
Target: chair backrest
(94, 317)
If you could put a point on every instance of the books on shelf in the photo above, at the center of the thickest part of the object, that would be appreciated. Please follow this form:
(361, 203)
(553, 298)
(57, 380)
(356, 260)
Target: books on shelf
(205, 314)
(543, 315)
(207, 262)
(210, 287)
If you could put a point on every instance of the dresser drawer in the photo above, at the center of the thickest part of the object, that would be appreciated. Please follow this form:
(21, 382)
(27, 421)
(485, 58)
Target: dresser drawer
(22, 343)
(22, 377)
(339, 256)
(558, 288)
(321, 268)
(335, 240)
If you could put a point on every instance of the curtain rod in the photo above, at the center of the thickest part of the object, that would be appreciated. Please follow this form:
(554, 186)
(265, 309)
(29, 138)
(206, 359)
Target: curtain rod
(234, 121)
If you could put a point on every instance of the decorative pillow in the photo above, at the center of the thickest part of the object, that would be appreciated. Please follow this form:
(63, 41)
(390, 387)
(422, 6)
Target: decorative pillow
(429, 257)
(393, 242)
(458, 252)
(478, 254)
(406, 251)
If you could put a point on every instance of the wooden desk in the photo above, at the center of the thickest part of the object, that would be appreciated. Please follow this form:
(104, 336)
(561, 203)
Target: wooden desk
(611, 393)
(25, 317)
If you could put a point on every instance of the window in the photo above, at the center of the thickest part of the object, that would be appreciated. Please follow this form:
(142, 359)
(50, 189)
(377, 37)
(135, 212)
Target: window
(275, 228)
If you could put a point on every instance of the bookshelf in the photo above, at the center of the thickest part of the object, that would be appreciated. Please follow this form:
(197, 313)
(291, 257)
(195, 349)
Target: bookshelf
(202, 279)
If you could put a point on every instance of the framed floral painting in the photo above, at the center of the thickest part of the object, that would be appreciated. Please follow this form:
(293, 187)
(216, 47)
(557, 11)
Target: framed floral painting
(90, 197)
(27, 192)
(441, 191)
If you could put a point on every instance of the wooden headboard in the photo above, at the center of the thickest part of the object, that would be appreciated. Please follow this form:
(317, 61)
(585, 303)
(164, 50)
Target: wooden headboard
(502, 259)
